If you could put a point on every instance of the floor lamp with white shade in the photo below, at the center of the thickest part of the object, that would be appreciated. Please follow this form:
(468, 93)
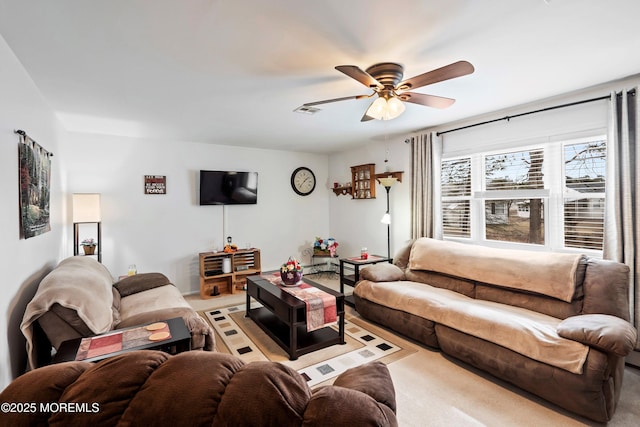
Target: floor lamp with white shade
(387, 183)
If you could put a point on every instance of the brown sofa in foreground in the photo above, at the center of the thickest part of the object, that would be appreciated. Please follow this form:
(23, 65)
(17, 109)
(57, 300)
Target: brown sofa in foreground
(556, 325)
(197, 389)
(78, 298)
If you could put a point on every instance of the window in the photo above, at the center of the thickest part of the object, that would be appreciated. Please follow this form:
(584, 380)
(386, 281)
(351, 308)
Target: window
(456, 195)
(584, 179)
(549, 195)
(510, 179)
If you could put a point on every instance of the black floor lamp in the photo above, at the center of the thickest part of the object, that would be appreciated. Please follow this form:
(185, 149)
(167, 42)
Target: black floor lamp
(387, 182)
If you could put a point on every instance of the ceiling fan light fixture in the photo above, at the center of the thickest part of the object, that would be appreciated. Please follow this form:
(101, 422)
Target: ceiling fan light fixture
(385, 109)
(377, 109)
(395, 107)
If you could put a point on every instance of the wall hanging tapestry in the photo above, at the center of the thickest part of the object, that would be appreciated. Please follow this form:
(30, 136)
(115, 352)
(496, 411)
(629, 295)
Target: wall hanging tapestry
(35, 187)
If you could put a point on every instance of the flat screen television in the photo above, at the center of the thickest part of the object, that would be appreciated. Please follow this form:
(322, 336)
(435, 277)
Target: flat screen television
(228, 188)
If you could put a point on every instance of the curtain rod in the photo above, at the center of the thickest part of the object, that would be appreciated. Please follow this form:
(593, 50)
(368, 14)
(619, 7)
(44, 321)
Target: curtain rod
(24, 134)
(507, 118)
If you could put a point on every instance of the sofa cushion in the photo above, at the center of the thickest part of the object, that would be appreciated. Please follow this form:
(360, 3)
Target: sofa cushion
(140, 282)
(163, 297)
(524, 331)
(382, 272)
(372, 379)
(550, 274)
(602, 331)
(193, 383)
(345, 407)
(401, 257)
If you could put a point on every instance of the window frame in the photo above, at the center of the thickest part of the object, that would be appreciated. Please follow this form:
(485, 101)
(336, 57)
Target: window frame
(595, 195)
(553, 170)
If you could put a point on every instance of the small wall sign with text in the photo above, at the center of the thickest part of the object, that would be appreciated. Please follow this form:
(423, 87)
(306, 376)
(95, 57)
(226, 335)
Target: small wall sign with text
(155, 184)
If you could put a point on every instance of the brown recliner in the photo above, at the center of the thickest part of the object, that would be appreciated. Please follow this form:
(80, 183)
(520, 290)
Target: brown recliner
(196, 388)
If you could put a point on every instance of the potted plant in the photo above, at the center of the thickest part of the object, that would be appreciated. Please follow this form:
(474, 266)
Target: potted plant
(89, 246)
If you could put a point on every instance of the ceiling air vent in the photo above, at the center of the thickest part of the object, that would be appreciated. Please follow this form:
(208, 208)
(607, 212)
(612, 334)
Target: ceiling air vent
(306, 110)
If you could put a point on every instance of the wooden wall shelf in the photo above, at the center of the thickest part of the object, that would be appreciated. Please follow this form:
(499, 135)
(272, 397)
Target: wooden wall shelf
(363, 182)
(342, 191)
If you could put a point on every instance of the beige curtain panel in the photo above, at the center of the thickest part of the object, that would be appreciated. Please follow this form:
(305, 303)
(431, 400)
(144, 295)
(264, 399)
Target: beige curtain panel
(622, 211)
(426, 154)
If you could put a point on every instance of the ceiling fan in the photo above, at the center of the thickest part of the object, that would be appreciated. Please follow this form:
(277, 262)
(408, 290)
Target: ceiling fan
(385, 79)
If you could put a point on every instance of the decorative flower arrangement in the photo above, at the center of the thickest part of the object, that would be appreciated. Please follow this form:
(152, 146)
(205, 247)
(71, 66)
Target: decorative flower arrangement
(88, 242)
(291, 272)
(325, 246)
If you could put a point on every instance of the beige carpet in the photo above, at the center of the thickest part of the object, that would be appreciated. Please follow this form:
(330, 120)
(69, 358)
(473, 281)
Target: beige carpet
(242, 337)
(433, 390)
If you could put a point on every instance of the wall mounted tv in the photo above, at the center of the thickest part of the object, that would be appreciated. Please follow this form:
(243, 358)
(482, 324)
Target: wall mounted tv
(228, 188)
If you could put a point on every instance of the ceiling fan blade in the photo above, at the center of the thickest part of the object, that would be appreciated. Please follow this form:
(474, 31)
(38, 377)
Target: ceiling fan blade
(359, 75)
(346, 98)
(428, 100)
(365, 117)
(451, 71)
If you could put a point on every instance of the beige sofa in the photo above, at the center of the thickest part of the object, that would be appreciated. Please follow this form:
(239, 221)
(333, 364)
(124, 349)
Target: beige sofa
(79, 298)
(556, 325)
(196, 389)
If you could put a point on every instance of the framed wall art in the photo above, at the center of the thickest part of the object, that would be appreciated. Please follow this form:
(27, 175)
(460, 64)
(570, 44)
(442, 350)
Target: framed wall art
(155, 184)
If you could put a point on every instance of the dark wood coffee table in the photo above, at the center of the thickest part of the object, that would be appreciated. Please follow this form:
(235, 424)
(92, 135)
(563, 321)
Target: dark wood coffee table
(179, 341)
(284, 317)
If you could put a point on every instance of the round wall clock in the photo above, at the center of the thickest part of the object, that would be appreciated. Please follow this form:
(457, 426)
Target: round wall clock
(303, 181)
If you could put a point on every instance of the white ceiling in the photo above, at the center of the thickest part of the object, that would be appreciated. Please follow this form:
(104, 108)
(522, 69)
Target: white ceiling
(232, 71)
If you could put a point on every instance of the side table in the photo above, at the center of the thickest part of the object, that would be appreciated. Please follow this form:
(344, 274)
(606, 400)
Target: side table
(179, 341)
(354, 263)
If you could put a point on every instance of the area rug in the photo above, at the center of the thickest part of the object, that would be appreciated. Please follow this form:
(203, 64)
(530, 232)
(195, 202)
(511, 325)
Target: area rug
(240, 336)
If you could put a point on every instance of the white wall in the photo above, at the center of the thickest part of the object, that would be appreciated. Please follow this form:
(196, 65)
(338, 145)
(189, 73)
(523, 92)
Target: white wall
(356, 223)
(165, 233)
(24, 262)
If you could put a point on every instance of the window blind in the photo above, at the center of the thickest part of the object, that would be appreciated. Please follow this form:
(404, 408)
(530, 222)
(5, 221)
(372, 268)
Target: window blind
(584, 181)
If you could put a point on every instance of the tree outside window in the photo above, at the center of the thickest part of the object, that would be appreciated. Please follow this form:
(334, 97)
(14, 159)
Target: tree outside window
(513, 201)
